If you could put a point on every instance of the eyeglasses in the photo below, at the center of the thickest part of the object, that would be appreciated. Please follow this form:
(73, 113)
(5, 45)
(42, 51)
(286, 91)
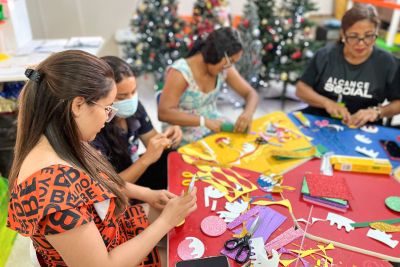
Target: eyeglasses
(110, 111)
(228, 62)
(367, 39)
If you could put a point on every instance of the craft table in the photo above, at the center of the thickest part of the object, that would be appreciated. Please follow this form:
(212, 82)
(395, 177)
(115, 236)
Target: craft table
(213, 245)
(344, 142)
(260, 160)
(368, 204)
(35, 51)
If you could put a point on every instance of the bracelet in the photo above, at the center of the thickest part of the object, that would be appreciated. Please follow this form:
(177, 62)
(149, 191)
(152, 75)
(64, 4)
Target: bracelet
(202, 121)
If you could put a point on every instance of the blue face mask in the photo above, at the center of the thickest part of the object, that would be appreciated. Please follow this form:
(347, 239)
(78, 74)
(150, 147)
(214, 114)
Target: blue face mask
(127, 107)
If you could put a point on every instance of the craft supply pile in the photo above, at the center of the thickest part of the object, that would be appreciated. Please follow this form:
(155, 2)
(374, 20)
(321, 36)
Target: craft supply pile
(297, 190)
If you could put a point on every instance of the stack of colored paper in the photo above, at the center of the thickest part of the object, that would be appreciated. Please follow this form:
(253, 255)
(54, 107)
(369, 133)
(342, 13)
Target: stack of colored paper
(331, 192)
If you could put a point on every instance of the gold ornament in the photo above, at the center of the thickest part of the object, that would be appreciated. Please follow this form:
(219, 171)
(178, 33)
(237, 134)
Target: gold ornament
(138, 62)
(284, 76)
(142, 7)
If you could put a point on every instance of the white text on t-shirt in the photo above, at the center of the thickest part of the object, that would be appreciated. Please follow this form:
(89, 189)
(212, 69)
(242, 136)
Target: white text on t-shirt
(345, 87)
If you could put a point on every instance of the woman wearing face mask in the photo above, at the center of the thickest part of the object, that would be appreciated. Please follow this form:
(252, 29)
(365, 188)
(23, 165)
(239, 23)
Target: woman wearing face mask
(192, 86)
(352, 78)
(119, 139)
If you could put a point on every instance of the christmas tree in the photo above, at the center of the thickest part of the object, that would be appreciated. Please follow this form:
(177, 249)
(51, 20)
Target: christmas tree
(160, 38)
(287, 40)
(250, 63)
(209, 15)
(266, 10)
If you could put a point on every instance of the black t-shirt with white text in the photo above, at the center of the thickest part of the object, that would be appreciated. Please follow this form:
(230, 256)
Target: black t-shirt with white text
(360, 86)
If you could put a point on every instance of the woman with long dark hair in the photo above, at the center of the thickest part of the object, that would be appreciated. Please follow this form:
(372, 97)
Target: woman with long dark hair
(193, 84)
(351, 79)
(64, 195)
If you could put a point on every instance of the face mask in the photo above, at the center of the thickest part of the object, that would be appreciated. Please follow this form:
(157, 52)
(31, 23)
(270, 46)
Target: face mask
(127, 107)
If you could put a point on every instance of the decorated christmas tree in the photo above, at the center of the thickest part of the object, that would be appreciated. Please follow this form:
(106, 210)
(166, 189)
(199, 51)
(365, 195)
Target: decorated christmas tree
(209, 15)
(250, 63)
(266, 10)
(159, 38)
(286, 38)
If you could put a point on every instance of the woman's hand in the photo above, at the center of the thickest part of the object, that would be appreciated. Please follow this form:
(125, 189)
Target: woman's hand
(213, 125)
(155, 147)
(362, 116)
(243, 123)
(336, 110)
(174, 133)
(178, 208)
(158, 198)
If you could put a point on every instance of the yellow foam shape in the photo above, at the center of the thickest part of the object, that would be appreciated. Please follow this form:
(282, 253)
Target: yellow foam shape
(287, 262)
(284, 202)
(224, 186)
(385, 227)
(304, 153)
(257, 161)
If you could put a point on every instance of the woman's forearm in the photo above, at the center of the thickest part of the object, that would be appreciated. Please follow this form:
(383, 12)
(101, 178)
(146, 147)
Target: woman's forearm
(136, 191)
(133, 172)
(391, 109)
(141, 245)
(251, 102)
(175, 117)
(308, 95)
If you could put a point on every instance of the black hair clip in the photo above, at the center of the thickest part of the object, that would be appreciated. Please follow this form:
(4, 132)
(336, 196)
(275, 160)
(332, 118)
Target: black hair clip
(33, 75)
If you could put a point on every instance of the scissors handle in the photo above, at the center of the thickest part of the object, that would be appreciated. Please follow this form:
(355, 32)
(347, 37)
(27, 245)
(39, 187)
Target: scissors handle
(243, 254)
(242, 246)
(232, 244)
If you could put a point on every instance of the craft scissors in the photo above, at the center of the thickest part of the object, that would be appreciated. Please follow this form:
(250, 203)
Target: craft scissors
(187, 177)
(242, 244)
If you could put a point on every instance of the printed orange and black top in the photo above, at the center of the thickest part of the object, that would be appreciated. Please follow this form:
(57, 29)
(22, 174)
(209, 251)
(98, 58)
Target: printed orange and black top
(59, 198)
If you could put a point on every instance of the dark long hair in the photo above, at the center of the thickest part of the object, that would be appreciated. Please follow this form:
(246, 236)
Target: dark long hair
(45, 109)
(114, 144)
(213, 48)
(358, 13)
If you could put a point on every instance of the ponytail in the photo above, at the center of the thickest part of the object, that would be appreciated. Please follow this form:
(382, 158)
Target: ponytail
(197, 47)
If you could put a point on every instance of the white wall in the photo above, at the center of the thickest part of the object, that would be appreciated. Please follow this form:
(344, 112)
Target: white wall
(16, 31)
(236, 6)
(66, 18)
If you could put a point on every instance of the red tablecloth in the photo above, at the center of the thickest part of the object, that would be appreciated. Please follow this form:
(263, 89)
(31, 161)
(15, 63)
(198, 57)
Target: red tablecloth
(213, 245)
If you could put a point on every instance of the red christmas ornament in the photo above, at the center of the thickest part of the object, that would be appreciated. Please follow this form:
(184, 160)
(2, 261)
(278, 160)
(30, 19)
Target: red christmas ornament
(152, 55)
(269, 46)
(296, 55)
(290, 21)
(246, 23)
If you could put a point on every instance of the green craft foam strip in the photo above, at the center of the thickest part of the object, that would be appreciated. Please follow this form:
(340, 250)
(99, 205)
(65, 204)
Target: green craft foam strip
(366, 224)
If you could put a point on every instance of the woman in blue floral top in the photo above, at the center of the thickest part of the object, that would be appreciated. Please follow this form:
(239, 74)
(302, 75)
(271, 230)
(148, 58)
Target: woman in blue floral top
(193, 83)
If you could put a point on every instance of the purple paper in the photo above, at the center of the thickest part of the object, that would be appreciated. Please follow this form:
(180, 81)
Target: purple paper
(270, 221)
(244, 217)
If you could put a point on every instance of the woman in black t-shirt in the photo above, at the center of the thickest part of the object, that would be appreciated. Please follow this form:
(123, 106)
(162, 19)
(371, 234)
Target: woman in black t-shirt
(351, 79)
(119, 139)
